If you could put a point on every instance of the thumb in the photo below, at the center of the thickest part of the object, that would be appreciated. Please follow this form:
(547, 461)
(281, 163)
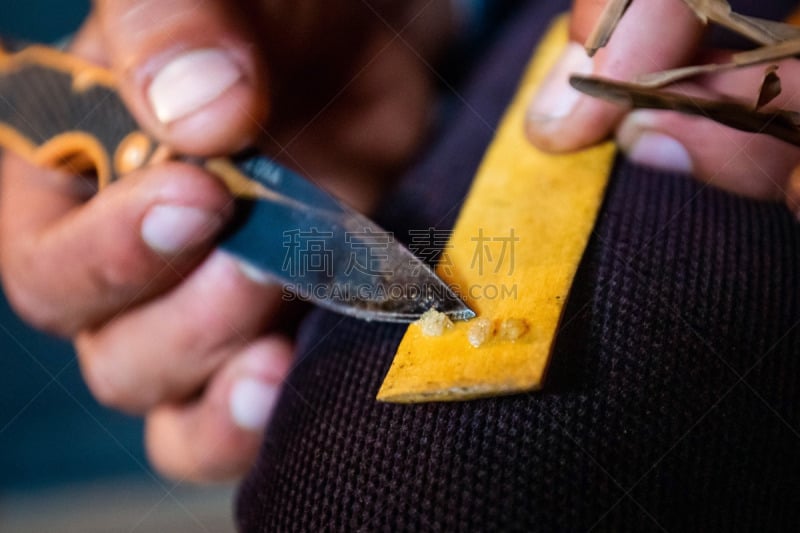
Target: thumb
(188, 70)
(652, 36)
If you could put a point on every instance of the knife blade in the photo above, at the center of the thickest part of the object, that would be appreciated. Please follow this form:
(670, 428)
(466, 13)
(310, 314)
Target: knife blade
(59, 111)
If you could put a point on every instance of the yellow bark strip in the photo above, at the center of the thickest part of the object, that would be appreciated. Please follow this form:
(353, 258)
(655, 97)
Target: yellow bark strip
(549, 203)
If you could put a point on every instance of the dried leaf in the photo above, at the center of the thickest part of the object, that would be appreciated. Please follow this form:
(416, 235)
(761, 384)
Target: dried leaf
(654, 80)
(606, 25)
(780, 124)
(762, 31)
(770, 87)
(746, 27)
(763, 54)
(707, 10)
(720, 12)
(778, 40)
(779, 31)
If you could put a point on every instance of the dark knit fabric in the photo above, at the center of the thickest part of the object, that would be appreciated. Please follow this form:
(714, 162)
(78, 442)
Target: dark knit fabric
(672, 402)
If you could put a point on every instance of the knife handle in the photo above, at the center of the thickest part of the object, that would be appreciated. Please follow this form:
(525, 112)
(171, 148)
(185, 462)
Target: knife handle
(59, 111)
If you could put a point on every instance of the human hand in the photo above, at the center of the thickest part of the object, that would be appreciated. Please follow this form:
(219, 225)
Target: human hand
(165, 326)
(654, 36)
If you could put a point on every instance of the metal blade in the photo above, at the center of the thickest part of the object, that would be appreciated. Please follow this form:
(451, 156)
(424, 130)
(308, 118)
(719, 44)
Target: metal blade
(325, 252)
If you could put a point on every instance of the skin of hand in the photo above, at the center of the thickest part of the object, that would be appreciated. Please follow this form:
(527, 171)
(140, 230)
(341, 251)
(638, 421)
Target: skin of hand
(164, 326)
(653, 36)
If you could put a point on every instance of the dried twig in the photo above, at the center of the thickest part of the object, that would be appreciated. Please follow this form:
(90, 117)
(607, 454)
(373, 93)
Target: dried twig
(775, 52)
(602, 31)
(779, 124)
(654, 80)
(763, 54)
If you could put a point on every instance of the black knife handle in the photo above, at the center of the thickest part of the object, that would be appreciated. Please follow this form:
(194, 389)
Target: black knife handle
(59, 111)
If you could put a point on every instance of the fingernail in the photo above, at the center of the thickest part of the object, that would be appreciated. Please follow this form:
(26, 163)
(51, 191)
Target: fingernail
(251, 403)
(190, 82)
(254, 273)
(556, 98)
(170, 229)
(659, 150)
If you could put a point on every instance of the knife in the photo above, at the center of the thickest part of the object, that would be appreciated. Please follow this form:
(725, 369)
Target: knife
(59, 111)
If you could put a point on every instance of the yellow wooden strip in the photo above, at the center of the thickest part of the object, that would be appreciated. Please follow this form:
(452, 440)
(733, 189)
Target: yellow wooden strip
(513, 255)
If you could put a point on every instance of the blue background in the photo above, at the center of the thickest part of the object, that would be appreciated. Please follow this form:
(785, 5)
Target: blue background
(51, 430)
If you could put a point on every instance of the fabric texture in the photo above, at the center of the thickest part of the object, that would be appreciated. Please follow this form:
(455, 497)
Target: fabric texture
(672, 401)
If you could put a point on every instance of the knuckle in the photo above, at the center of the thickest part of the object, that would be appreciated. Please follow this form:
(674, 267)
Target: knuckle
(35, 309)
(172, 463)
(103, 386)
(111, 384)
(177, 449)
(167, 450)
(116, 275)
